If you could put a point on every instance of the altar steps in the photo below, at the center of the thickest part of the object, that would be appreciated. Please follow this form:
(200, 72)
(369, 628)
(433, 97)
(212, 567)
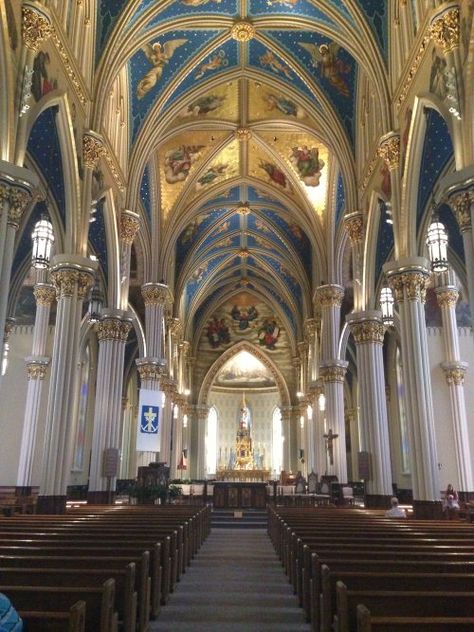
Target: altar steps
(230, 519)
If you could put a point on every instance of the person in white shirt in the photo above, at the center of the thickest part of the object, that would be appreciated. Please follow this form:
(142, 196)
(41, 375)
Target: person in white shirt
(395, 511)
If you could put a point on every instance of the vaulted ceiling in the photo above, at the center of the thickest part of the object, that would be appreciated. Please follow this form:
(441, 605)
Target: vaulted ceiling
(242, 123)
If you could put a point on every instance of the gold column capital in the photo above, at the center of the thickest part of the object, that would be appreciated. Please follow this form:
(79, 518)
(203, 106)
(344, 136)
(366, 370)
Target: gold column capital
(454, 372)
(389, 150)
(447, 296)
(93, 149)
(354, 224)
(68, 280)
(112, 328)
(409, 284)
(36, 369)
(17, 198)
(129, 226)
(157, 294)
(150, 369)
(36, 26)
(330, 295)
(334, 372)
(44, 294)
(461, 204)
(445, 29)
(368, 331)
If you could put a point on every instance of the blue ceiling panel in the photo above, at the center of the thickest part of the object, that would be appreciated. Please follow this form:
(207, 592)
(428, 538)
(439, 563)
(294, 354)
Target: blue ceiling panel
(145, 192)
(384, 240)
(97, 237)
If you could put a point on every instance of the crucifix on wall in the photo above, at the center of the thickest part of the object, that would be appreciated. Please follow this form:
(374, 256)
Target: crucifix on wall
(329, 445)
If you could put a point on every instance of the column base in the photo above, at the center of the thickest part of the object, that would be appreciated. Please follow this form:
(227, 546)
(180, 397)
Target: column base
(428, 510)
(377, 501)
(51, 505)
(100, 498)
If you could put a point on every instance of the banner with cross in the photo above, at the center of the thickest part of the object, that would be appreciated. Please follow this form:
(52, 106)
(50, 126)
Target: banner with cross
(149, 420)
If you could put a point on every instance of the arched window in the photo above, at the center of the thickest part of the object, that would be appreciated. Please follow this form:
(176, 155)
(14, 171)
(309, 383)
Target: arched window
(405, 441)
(211, 442)
(277, 442)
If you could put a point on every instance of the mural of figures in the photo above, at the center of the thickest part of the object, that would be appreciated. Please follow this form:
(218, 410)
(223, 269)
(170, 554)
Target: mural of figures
(296, 231)
(268, 333)
(274, 64)
(179, 161)
(325, 59)
(158, 55)
(289, 4)
(198, 3)
(191, 229)
(438, 76)
(285, 106)
(276, 175)
(42, 83)
(217, 332)
(203, 105)
(308, 164)
(244, 316)
(216, 61)
(211, 174)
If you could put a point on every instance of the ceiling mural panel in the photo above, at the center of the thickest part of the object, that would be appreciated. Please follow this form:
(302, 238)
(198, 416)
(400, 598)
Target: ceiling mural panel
(262, 197)
(331, 67)
(266, 103)
(193, 8)
(156, 65)
(301, 8)
(295, 235)
(226, 165)
(200, 275)
(222, 59)
(178, 161)
(194, 231)
(265, 167)
(221, 102)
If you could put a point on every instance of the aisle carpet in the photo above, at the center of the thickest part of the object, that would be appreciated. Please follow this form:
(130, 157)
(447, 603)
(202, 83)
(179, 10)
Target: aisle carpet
(235, 584)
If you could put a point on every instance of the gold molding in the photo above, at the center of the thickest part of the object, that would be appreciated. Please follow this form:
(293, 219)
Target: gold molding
(354, 224)
(389, 150)
(129, 227)
(445, 29)
(92, 149)
(36, 28)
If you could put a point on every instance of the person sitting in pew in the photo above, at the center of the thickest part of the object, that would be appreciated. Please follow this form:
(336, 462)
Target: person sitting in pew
(395, 511)
(10, 621)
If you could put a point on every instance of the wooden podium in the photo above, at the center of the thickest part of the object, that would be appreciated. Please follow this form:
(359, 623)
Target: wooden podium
(230, 495)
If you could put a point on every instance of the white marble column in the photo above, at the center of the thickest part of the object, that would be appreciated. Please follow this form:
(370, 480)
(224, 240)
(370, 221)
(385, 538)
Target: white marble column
(37, 365)
(286, 430)
(368, 331)
(454, 370)
(329, 298)
(408, 279)
(333, 374)
(319, 428)
(167, 428)
(112, 333)
(202, 413)
(354, 224)
(311, 335)
(73, 277)
(177, 439)
(129, 227)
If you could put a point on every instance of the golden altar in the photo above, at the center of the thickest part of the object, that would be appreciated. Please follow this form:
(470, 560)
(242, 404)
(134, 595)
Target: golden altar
(248, 476)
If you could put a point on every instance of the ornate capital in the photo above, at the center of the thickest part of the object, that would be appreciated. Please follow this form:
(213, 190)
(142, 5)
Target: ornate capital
(368, 331)
(243, 133)
(354, 224)
(310, 328)
(461, 205)
(36, 28)
(389, 150)
(243, 31)
(92, 149)
(44, 294)
(175, 326)
(17, 199)
(454, 372)
(113, 329)
(445, 29)
(156, 294)
(149, 369)
(67, 281)
(36, 370)
(202, 412)
(330, 295)
(410, 285)
(333, 373)
(9, 324)
(129, 227)
(447, 296)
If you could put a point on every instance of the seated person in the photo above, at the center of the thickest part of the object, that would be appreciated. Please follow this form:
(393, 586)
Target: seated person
(451, 507)
(9, 618)
(395, 511)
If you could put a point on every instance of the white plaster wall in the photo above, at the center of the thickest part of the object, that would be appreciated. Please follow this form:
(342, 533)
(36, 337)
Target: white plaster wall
(261, 404)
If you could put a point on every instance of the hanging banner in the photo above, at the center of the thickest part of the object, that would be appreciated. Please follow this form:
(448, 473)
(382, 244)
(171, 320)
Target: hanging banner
(149, 420)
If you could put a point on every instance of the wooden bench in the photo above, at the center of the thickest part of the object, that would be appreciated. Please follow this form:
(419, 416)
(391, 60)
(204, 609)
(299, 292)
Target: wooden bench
(367, 623)
(72, 620)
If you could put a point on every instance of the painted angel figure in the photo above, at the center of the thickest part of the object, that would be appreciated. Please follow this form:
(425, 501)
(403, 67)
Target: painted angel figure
(324, 58)
(158, 55)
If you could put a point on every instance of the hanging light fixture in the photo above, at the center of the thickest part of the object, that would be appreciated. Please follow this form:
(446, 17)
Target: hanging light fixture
(437, 242)
(95, 305)
(386, 305)
(43, 239)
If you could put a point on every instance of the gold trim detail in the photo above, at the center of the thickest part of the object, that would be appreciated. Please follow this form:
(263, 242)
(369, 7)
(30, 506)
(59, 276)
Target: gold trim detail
(368, 331)
(36, 371)
(310, 327)
(411, 285)
(156, 294)
(44, 294)
(243, 31)
(461, 204)
(413, 70)
(17, 199)
(243, 133)
(92, 150)
(447, 298)
(454, 376)
(35, 28)
(445, 31)
(333, 373)
(113, 329)
(389, 151)
(330, 295)
(129, 227)
(66, 281)
(150, 371)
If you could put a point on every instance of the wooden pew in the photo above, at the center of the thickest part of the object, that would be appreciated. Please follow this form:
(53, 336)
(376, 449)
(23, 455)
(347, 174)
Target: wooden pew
(100, 615)
(126, 601)
(367, 623)
(386, 603)
(73, 620)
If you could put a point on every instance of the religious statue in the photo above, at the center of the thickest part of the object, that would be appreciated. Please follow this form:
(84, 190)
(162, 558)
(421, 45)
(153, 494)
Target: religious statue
(243, 442)
(329, 445)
